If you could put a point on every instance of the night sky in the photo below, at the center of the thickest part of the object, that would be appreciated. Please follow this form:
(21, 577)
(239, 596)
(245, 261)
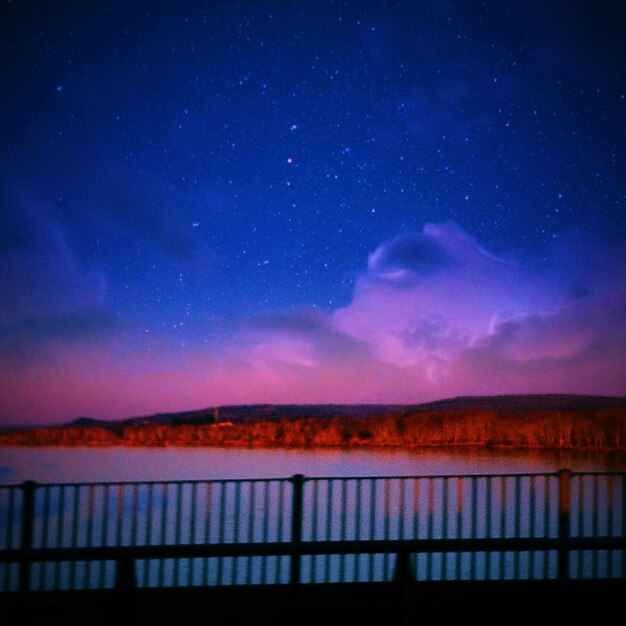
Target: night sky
(309, 202)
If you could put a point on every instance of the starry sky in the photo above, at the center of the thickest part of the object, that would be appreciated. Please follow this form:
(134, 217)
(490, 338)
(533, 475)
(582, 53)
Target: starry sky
(207, 203)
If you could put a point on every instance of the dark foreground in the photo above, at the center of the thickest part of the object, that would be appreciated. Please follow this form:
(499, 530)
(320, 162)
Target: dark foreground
(496, 602)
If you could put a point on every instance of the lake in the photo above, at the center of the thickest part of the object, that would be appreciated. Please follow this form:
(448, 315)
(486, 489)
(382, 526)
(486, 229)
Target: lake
(52, 464)
(239, 495)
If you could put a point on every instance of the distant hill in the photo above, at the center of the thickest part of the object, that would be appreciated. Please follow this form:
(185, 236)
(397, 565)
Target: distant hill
(516, 421)
(251, 413)
(528, 402)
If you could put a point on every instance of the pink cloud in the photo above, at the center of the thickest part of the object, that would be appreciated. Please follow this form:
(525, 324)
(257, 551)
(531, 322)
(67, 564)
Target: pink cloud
(427, 297)
(434, 315)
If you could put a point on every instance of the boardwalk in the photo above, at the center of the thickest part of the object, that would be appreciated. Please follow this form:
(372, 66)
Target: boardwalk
(364, 604)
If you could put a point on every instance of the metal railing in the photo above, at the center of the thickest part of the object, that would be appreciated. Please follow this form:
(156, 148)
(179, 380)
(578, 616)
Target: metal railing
(307, 530)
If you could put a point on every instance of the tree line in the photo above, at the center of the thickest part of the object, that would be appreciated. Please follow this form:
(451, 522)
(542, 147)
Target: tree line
(599, 429)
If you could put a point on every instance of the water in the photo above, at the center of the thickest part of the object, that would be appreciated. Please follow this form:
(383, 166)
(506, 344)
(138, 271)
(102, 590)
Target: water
(238, 496)
(44, 464)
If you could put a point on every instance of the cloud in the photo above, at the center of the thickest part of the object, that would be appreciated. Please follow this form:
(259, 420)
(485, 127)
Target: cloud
(437, 314)
(434, 314)
(40, 274)
(23, 339)
(438, 248)
(428, 296)
(46, 294)
(306, 337)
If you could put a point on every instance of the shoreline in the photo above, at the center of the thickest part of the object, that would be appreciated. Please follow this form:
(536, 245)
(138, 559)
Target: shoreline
(593, 429)
(363, 446)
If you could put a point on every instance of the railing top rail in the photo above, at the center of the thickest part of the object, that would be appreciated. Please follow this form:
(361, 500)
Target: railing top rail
(433, 476)
(278, 479)
(472, 475)
(126, 483)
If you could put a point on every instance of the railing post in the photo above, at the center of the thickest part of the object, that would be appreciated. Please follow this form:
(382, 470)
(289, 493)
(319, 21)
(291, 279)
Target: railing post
(26, 539)
(403, 571)
(125, 578)
(565, 476)
(296, 526)
(403, 576)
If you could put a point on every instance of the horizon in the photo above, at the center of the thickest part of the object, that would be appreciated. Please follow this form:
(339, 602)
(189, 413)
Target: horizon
(295, 205)
(72, 420)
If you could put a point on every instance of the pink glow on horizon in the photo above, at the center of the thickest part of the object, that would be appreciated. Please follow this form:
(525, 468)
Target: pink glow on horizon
(434, 316)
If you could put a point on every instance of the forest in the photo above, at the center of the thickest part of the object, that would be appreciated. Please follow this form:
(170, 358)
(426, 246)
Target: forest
(585, 428)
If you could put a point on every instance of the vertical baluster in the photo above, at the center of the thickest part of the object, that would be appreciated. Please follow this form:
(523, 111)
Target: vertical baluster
(27, 525)
(474, 527)
(11, 519)
(595, 512)
(281, 508)
(623, 512)
(5, 583)
(329, 509)
(164, 507)
(11, 530)
(176, 563)
(6, 521)
(517, 525)
(581, 522)
(266, 515)
(547, 498)
(532, 574)
(104, 532)
(401, 506)
(445, 524)
(416, 518)
(296, 526)
(59, 538)
(609, 521)
(89, 532)
(221, 529)
(564, 522)
(373, 484)
(357, 527)
(121, 492)
(501, 566)
(343, 513)
(416, 507)
(459, 524)
(134, 513)
(236, 529)
(192, 532)
(194, 513)
(314, 527)
(250, 523)
(386, 523)
(124, 568)
(207, 529)
(430, 561)
(489, 528)
(149, 529)
(44, 533)
(546, 515)
(74, 539)
(281, 517)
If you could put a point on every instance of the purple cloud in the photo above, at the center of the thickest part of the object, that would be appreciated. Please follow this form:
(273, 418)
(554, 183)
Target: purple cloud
(437, 313)
(433, 315)
(40, 273)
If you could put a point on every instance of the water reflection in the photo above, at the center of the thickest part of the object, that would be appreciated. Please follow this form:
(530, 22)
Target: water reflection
(430, 509)
(127, 464)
